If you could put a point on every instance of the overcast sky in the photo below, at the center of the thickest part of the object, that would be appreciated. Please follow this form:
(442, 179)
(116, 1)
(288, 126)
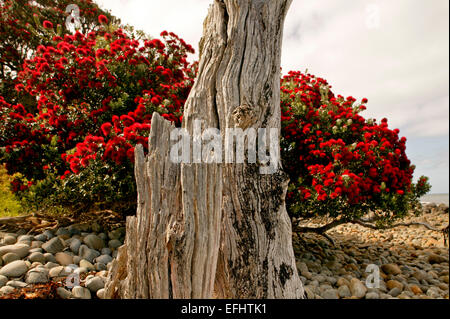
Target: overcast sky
(395, 53)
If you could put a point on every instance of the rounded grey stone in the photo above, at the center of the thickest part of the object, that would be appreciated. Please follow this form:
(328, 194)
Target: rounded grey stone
(36, 250)
(344, 291)
(21, 250)
(54, 245)
(41, 237)
(330, 294)
(3, 280)
(63, 293)
(60, 271)
(104, 259)
(87, 253)
(94, 242)
(63, 232)
(114, 244)
(36, 276)
(50, 257)
(9, 240)
(95, 284)
(14, 269)
(10, 257)
(106, 251)
(48, 234)
(6, 290)
(16, 284)
(81, 293)
(37, 257)
(76, 260)
(26, 238)
(51, 265)
(75, 245)
(100, 266)
(372, 295)
(394, 292)
(101, 293)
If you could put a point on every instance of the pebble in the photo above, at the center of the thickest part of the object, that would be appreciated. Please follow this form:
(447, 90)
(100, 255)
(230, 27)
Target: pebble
(436, 259)
(48, 234)
(6, 290)
(51, 265)
(63, 259)
(330, 294)
(64, 233)
(54, 245)
(75, 245)
(95, 284)
(344, 291)
(391, 269)
(21, 250)
(357, 288)
(81, 293)
(76, 260)
(86, 264)
(114, 244)
(63, 293)
(94, 242)
(37, 276)
(81, 270)
(50, 257)
(9, 240)
(3, 280)
(10, 257)
(87, 253)
(37, 257)
(394, 292)
(101, 293)
(16, 284)
(104, 259)
(372, 295)
(14, 269)
(41, 237)
(394, 284)
(100, 266)
(106, 251)
(60, 271)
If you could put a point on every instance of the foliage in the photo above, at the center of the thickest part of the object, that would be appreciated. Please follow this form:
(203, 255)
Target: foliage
(339, 163)
(21, 31)
(9, 205)
(95, 96)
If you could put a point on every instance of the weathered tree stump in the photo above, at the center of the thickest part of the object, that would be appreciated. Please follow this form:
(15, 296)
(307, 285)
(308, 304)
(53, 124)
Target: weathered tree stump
(216, 230)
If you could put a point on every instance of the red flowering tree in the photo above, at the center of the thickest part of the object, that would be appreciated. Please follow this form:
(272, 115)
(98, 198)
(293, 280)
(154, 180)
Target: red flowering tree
(340, 164)
(21, 31)
(95, 96)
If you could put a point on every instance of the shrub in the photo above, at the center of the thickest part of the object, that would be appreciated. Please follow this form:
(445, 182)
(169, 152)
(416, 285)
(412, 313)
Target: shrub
(339, 163)
(95, 97)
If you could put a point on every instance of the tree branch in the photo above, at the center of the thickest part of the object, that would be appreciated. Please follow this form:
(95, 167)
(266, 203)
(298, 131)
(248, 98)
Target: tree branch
(368, 224)
(320, 230)
(365, 222)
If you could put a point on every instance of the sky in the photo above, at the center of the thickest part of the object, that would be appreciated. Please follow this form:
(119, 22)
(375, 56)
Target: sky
(395, 53)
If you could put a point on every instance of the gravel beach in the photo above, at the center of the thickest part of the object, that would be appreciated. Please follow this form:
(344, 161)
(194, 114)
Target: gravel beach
(412, 262)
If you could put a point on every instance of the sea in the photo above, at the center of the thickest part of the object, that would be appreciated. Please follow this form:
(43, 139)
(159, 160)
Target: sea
(436, 198)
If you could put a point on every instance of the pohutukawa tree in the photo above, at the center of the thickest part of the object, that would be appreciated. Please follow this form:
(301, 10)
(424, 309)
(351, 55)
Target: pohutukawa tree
(215, 230)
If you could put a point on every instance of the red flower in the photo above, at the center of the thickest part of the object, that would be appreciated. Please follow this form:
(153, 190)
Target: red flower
(47, 24)
(102, 19)
(106, 128)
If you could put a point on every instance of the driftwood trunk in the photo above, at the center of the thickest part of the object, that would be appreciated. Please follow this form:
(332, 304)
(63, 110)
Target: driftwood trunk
(216, 230)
